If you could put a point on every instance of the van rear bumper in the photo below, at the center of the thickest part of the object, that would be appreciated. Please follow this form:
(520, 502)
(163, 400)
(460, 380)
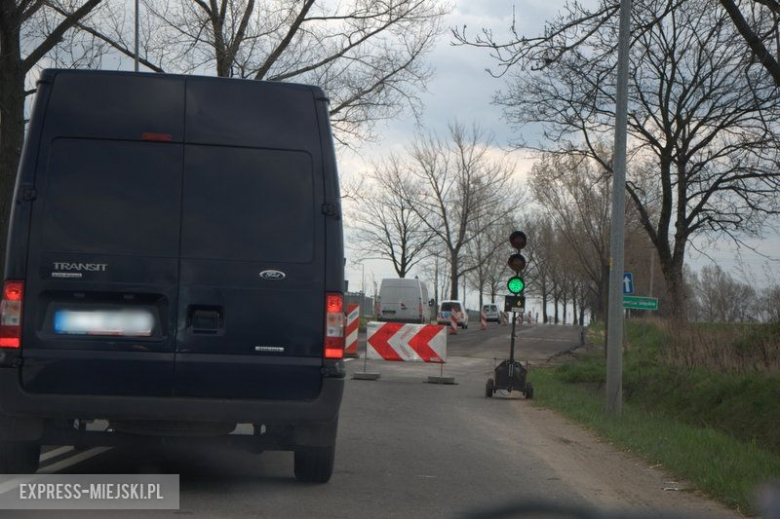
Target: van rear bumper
(16, 402)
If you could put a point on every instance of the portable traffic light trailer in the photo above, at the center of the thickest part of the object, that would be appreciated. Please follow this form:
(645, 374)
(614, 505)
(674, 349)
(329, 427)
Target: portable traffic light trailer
(510, 374)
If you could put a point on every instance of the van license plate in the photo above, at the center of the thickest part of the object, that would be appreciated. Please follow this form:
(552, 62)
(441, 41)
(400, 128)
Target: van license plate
(128, 323)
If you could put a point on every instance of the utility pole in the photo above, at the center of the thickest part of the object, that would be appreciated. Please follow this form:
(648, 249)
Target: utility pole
(436, 280)
(136, 36)
(615, 312)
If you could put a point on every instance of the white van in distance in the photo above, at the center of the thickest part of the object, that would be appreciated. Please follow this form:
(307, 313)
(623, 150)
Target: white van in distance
(404, 300)
(447, 308)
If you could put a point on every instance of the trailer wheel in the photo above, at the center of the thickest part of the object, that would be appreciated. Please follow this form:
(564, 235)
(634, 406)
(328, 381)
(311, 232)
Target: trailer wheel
(489, 388)
(529, 391)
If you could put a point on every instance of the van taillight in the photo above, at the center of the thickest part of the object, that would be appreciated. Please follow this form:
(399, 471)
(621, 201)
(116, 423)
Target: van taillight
(334, 326)
(11, 314)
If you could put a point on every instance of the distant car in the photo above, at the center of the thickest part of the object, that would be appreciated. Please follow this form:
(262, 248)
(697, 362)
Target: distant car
(491, 313)
(404, 300)
(447, 307)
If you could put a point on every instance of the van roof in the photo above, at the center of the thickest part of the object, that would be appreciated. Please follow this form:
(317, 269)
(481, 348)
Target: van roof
(400, 282)
(50, 73)
(190, 109)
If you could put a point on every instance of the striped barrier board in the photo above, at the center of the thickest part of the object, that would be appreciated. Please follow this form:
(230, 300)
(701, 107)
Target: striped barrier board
(353, 322)
(407, 342)
(453, 323)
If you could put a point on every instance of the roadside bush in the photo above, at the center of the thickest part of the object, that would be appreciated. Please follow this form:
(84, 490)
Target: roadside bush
(727, 379)
(728, 348)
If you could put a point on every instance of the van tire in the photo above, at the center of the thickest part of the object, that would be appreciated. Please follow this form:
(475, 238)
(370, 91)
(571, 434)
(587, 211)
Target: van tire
(314, 464)
(19, 457)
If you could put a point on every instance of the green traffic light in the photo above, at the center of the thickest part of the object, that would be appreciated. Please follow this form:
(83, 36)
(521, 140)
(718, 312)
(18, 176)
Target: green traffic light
(515, 284)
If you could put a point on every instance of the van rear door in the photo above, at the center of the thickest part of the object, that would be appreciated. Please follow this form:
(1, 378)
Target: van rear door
(252, 295)
(102, 258)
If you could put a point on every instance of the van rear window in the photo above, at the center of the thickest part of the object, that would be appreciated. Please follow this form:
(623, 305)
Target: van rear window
(248, 204)
(447, 307)
(112, 197)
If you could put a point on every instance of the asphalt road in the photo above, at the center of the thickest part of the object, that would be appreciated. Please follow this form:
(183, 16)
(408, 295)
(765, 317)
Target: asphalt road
(410, 449)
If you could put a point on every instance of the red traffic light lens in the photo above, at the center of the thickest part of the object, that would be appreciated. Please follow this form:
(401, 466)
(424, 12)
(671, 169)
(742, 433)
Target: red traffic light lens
(516, 262)
(518, 240)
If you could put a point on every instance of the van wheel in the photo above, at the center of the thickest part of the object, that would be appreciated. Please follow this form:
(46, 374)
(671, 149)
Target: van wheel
(19, 457)
(314, 464)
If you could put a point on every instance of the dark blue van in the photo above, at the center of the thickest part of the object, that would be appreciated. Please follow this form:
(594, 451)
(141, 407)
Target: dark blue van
(175, 268)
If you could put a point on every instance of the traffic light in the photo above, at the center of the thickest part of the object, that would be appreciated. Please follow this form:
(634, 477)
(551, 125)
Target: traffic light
(516, 262)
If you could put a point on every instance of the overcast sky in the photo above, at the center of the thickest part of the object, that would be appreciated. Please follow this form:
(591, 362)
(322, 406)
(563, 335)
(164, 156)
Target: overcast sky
(462, 88)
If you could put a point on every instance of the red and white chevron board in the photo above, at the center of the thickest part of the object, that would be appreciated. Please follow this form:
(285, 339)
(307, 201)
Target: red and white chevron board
(407, 342)
(353, 322)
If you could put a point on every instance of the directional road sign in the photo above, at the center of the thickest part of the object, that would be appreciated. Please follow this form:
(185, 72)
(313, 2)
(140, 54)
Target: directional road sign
(640, 303)
(628, 283)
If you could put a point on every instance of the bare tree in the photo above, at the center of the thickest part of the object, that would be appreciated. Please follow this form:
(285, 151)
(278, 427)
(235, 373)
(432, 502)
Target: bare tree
(574, 193)
(367, 56)
(722, 298)
(30, 30)
(760, 32)
(541, 260)
(700, 113)
(486, 259)
(459, 191)
(386, 226)
(768, 309)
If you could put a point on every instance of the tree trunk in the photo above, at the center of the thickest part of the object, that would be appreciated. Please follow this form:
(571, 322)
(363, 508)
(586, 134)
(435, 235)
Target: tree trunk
(565, 304)
(574, 308)
(11, 119)
(673, 274)
(555, 306)
(544, 308)
(454, 275)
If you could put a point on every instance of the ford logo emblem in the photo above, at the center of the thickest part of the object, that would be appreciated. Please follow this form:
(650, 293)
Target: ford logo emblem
(272, 275)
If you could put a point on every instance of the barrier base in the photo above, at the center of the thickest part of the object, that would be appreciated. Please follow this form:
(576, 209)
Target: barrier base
(351, 355)
(365, 376)
(449, 381)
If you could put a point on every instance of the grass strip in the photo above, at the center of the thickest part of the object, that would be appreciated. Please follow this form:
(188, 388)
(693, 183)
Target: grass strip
(717, 464)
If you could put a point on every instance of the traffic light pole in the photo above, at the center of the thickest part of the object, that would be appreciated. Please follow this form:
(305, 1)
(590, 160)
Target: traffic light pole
(512, 343)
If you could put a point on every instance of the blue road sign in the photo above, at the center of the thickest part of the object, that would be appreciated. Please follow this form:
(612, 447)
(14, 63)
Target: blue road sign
(628, 283)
